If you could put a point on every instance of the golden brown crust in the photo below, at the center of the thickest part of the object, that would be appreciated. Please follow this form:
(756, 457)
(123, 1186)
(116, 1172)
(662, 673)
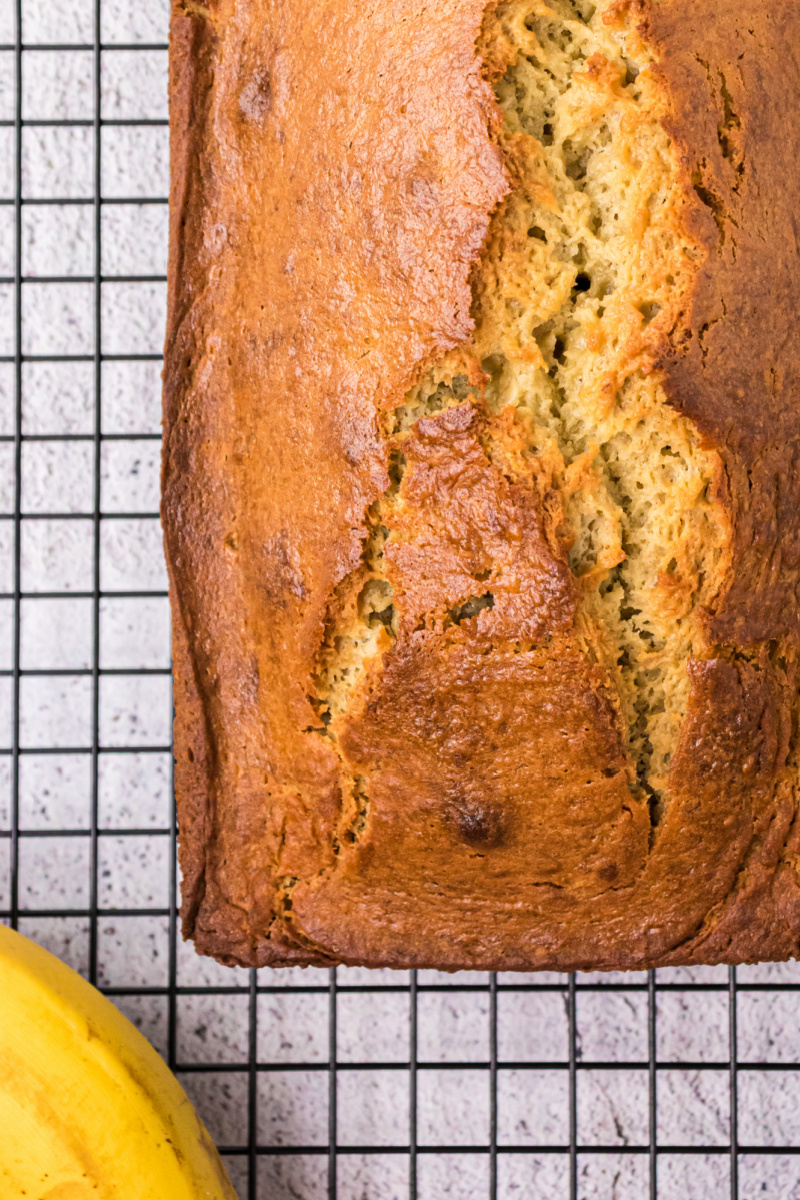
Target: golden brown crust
(734, 367)
(474, 806)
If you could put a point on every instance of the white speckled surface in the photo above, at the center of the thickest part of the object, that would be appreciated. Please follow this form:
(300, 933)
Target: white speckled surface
(291, 1029)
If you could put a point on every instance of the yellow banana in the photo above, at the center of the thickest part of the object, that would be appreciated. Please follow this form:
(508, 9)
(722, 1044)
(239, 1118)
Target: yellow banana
(88, 1110)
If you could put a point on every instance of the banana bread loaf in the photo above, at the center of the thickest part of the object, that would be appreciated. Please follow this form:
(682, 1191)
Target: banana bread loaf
(481, 485)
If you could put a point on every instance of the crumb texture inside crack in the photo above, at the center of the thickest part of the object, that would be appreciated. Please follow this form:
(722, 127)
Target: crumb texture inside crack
(587, 268)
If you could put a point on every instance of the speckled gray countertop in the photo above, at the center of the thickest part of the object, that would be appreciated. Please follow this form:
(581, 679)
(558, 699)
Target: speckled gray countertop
(70, 718)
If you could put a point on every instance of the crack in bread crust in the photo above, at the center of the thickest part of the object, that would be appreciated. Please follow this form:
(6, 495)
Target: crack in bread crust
(587, 268)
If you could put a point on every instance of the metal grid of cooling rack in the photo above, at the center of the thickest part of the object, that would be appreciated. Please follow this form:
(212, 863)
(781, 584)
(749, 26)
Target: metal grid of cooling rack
(351, 1084)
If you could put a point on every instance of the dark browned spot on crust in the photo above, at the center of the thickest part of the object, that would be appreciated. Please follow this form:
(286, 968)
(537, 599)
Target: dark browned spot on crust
(480, 823)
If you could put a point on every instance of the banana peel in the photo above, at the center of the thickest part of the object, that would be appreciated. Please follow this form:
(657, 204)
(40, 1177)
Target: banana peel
(88, 1109)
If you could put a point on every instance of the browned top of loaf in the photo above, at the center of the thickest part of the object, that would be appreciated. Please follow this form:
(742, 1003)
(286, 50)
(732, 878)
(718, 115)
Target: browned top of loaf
(333, 182)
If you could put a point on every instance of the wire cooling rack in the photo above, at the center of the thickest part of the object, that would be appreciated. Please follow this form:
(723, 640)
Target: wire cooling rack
(351, 1084)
